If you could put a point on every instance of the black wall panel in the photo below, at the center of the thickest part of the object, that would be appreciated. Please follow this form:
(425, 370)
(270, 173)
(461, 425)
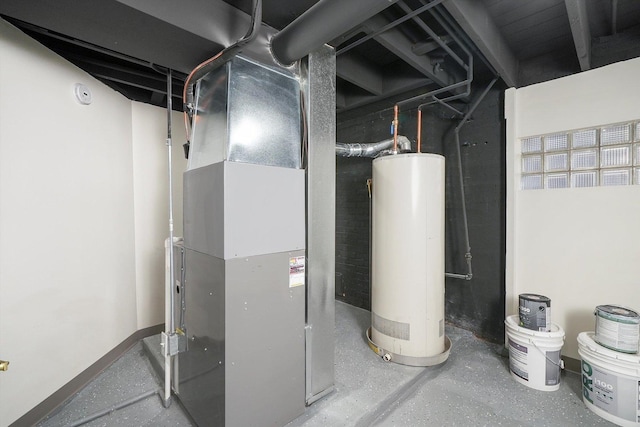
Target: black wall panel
(477, 305)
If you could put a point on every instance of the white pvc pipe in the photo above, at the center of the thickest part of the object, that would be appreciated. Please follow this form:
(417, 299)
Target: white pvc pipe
(113, 408)
(166, 400)
(169, 323)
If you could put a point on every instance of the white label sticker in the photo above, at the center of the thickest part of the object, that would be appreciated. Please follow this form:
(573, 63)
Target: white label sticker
(518, 358)
(614, 393)
(296, 271)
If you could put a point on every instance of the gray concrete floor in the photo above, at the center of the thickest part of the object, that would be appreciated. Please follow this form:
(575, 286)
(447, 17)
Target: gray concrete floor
(473, 387)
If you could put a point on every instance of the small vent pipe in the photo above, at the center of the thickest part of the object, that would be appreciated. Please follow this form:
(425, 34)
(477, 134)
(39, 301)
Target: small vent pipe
(323, 22)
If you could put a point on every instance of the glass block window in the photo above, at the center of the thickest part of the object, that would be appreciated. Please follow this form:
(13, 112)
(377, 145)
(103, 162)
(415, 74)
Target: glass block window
(618, 134)
(584, 159)
(601, 156)
(584, 138)
(556, 142)
(609, 177)
(556, 162)
(531, 164)
(615, 156)
(532, 145)
(557, 180)
(584, 179)
(531, 182)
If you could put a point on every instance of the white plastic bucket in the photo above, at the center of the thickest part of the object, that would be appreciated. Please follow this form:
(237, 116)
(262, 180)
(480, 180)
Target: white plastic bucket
(534, 356)
(610, 382)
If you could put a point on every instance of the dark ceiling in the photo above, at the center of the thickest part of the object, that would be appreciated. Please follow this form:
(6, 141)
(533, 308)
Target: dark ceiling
(411, 48)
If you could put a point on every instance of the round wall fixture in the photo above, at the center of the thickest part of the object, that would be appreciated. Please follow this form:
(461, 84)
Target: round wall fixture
(83, 94)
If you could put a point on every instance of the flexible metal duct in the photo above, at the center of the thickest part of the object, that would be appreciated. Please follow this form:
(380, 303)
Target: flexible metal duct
(371, 149)
(323, 22)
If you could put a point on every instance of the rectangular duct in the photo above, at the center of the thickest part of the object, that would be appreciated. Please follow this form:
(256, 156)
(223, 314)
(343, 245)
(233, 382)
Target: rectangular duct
(247, 112)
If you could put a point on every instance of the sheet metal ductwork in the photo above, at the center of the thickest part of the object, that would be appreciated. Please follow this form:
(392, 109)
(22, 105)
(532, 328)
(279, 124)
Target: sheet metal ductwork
(322, 23)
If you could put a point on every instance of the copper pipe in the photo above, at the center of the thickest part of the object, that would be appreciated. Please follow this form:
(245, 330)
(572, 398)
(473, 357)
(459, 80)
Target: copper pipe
(419, 129)
(395, 128)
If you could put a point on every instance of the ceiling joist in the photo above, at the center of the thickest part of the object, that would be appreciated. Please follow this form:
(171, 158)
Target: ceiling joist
(579, 21)
(359, 72)
(399, 45)
(474, 20)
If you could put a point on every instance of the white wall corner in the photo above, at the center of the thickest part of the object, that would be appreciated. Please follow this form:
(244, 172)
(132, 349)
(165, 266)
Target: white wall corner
(67, 223)
(151, 204)
(511, 118)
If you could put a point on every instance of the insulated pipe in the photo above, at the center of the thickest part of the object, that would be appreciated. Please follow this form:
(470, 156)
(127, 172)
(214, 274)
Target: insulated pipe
(371, 149)
(323, 22)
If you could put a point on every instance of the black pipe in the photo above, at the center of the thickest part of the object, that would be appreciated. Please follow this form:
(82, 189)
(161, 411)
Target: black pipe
(323, 22)
(456, 131)
(410, 14)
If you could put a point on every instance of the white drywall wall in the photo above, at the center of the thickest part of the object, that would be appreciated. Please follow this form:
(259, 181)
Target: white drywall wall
(151, 186)
(578, 246)
(83, 218)
(67, 270)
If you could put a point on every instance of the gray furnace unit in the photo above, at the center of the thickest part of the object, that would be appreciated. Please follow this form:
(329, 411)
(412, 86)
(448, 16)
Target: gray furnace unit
(245, 291)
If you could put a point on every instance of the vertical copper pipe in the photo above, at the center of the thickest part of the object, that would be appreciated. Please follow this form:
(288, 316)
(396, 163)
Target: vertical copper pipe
(419, 129)
(395, 128)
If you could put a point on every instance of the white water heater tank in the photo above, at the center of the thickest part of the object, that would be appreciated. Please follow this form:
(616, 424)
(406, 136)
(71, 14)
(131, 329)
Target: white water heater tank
(407, 290)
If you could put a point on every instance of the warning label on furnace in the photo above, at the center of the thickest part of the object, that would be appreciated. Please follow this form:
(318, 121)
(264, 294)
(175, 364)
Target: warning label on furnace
(518, 360)
(296, 271)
